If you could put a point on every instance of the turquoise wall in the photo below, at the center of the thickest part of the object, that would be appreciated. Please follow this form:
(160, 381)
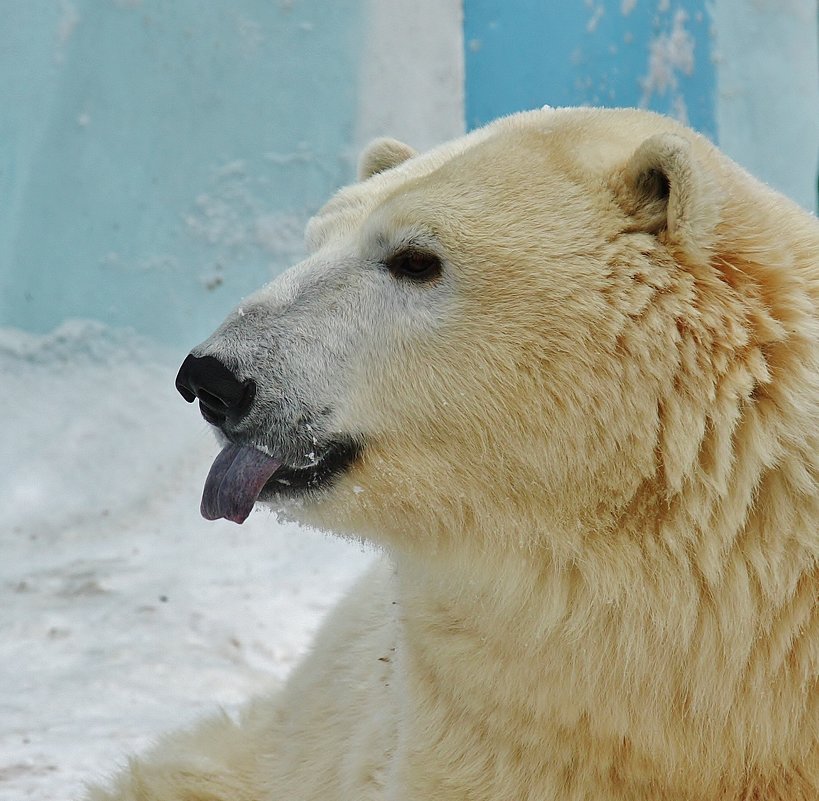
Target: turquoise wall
(744, 73)
(158, 159)
(529, 53)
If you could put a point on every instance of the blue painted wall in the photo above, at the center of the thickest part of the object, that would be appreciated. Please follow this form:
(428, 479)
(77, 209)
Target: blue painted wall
(158, 159)
(767, 57)
(745, 74)
(528, 53)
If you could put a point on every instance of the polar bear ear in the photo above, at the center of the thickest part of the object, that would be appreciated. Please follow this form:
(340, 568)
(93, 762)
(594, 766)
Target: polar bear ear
(382, 154)
(664, 190)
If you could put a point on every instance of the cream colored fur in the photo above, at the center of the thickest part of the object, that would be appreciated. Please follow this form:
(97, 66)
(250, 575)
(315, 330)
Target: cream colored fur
(595, 483)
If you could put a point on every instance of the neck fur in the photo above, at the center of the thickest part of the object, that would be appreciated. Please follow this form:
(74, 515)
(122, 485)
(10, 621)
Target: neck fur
(646, 649)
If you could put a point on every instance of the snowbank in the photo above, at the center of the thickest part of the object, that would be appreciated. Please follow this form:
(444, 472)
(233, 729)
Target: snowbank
(122, 612)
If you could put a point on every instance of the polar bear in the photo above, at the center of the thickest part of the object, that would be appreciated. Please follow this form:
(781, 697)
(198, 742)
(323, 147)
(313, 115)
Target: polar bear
(564, 371)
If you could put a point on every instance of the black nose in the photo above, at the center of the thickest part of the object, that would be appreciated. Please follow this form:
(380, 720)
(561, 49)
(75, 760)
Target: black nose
(221, 394)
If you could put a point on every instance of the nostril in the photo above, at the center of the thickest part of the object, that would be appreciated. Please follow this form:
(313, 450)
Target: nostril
(183, 379)
(189, 396)
(219, 390)
(211, 400)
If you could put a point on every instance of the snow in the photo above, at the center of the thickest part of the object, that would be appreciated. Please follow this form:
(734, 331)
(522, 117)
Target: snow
(670, 54)
(594, 20)
(69, 19)
(123, 614)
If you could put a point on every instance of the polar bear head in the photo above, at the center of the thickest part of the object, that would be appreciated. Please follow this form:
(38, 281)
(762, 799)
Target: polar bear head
(535, 322)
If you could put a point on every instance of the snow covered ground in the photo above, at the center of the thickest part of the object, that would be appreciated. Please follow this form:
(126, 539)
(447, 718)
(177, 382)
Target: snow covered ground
(122, 613)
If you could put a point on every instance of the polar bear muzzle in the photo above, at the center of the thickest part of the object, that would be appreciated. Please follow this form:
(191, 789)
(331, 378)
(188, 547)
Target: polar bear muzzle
(244, 473)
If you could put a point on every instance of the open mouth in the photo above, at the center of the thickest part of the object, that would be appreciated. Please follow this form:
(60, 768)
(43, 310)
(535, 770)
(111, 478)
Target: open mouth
(335, 459)
(243, 474)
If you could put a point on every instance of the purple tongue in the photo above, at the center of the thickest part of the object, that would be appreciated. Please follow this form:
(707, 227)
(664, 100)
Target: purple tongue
(235, 480)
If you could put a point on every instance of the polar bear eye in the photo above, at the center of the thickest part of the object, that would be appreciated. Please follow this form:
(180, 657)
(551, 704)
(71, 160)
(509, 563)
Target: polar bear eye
(417, 265)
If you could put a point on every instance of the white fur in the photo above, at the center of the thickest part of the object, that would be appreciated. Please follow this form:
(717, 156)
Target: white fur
(591, 457)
